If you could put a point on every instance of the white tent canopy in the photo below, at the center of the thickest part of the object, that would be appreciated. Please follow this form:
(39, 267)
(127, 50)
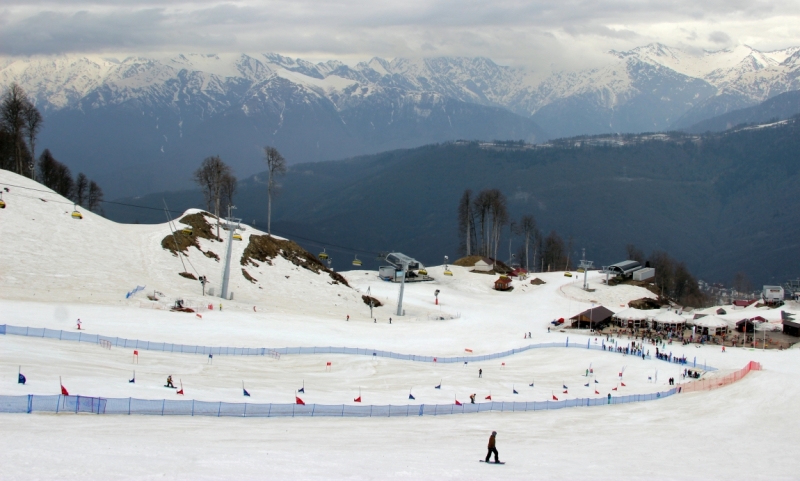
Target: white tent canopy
(633, 314)
(669, 317)
(710, 322)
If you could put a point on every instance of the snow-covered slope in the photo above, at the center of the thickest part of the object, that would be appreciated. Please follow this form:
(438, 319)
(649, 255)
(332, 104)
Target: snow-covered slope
(48, 255)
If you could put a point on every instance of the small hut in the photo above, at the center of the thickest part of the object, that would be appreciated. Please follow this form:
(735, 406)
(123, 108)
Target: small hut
(503, 283)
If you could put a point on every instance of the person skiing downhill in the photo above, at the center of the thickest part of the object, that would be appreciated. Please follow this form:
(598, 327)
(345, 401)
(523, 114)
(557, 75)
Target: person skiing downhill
(492, 448)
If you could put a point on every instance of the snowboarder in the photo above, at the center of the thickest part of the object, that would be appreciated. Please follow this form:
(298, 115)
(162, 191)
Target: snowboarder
(348, 317)
(472, 398)
(492, 448)
(390, 320)
(480, 373)
(169, 382)
(79, 324)
(548, 328)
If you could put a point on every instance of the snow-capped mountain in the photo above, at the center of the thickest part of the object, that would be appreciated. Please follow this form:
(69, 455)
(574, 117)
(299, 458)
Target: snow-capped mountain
(165, 113)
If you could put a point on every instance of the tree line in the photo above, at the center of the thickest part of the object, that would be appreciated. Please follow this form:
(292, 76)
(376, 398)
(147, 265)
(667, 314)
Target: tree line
(482, 219)
(20, 123)
(218, 184)
(673, 278)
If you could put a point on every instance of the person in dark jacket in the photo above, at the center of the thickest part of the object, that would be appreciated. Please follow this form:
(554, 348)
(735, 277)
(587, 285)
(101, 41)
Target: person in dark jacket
(492, 448)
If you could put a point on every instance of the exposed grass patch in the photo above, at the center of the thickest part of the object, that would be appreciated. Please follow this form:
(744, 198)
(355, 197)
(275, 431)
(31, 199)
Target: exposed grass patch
(264, 248)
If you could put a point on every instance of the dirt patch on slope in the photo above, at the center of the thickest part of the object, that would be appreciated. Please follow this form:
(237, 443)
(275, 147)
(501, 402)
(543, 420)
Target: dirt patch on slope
(367, 299)
(468, 261)
(181, 241)
(264, 248)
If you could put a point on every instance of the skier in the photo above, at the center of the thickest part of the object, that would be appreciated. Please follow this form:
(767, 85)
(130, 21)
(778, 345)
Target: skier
(492, 448)
(79, 324)
(480, 373)
(472, 398)
(348, 317)
(169, 381)
(390, 320)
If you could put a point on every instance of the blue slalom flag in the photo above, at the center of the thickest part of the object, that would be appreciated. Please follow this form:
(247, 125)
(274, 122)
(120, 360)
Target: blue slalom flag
(586, 385)
(515, 391)
(302, 389)
(245, 392)
(596, 381)
(410, 396)
(21, 379)
(438, 387)
(564, 386)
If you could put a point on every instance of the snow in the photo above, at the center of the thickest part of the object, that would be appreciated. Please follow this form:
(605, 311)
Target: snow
(56, 269)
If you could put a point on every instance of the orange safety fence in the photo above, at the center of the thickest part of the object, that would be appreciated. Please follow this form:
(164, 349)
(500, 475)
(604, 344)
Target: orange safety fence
(715, 382)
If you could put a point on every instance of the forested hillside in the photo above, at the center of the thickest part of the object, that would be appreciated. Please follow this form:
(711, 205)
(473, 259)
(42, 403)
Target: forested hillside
(722, 203)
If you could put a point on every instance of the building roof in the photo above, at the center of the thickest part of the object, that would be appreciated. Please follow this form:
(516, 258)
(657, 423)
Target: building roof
(597, 314)
(624, 266)
(503, 280)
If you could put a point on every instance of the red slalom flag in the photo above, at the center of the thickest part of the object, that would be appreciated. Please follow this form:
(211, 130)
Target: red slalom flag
(623, 384)
(357, 400)
(595, 391)
(458, 403)
(555, 398)
(64, 391)
(179, 392)
(565, 392)
(297, 400)
(613, 389)
(489, 397)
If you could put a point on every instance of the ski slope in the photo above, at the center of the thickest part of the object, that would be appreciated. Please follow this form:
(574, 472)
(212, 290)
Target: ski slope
(55, 269)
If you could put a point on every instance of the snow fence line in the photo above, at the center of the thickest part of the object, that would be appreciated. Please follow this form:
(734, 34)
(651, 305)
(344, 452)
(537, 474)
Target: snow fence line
(161, 407)
(277, 352)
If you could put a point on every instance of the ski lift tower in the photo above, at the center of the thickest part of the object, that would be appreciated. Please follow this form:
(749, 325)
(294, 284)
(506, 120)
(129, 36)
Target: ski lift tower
(585, 265)
(231, 225)
(402, 263)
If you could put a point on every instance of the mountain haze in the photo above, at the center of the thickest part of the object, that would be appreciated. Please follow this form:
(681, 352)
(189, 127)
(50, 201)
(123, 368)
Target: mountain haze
(141, 124)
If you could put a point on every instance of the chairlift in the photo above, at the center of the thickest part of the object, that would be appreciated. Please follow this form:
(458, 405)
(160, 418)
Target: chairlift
(187, 230)
(323, 255)
(2, 202)
(75, 213)
(356, 261)
(237, 236)
(448, 272)
(423, 272)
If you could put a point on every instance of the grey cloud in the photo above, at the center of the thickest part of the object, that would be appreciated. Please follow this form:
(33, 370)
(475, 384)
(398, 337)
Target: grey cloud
(516, 31)
(719, 37)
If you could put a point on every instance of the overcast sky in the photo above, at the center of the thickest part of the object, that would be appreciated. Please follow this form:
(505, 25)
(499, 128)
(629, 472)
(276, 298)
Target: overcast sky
(525, 33)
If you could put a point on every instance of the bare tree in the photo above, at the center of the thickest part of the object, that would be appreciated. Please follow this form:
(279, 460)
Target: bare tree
(12, 114)
(81, 187)
(229, 185)
(276, 165)
(210, 176)
(527, 229)
(33, 122)
(635, 254)
(55, 175)
(94, 197)
(465, 221)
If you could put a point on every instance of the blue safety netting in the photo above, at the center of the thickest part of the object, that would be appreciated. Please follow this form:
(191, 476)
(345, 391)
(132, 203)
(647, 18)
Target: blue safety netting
(162, 407)
(264, 351)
